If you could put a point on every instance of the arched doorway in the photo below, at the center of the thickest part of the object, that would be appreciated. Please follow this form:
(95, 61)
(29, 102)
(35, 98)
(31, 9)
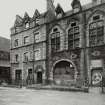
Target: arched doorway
(64, 72)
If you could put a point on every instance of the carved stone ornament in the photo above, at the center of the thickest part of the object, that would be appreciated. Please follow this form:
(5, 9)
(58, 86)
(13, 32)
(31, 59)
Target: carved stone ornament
(73, 56)
(96, 53)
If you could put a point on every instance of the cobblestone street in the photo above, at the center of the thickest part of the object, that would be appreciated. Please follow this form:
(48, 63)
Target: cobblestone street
(15, 96)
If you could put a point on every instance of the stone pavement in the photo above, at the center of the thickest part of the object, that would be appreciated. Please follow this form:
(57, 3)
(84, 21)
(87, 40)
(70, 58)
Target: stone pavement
(23, 96)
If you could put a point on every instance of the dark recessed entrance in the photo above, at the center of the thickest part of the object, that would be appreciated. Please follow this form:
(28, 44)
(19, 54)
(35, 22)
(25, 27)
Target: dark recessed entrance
(39, 77)
(5, 75)
(64, 73)
(18, 76)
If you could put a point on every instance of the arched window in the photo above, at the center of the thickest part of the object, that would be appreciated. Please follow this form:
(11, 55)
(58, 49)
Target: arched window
(96, 31)
(73, 35)
(55, 40)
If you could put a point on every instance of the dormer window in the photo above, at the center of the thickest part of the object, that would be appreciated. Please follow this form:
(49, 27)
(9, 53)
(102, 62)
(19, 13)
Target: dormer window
(59, 11)
(76, 5)
(27, 25)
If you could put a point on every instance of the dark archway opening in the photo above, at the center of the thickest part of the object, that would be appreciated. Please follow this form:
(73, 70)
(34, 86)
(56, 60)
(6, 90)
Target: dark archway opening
(64, 72)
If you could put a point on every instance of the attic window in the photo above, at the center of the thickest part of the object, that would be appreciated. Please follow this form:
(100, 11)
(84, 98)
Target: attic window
(73, 24)
(97, 17)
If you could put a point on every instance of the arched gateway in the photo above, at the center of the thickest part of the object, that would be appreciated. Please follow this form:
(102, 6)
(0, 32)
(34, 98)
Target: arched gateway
(64, 72)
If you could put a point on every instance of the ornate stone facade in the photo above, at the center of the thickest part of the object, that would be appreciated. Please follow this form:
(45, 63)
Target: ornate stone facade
(66, 48)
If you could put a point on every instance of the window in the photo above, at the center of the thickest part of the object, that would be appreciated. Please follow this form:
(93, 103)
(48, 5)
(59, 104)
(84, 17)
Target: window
(27, 25)
(37, 54)
(26, 56)
(97, 17)
(30, 76)
(26, 40)
(18, 75)
(55, 40)
(37, 21)
(37, 36)
(29, 71)
(73, 36)
(16, 43)
(17, 58)
(96, 33)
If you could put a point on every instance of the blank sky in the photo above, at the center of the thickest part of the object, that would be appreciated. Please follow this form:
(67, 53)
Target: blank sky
(10, 8)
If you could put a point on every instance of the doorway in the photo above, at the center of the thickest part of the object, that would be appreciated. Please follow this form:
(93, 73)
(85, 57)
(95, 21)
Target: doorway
(18, 77)
(39, 77)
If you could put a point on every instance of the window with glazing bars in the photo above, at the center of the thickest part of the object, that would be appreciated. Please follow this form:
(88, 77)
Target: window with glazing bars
(55, 41)
(73, 36)
(96, 33)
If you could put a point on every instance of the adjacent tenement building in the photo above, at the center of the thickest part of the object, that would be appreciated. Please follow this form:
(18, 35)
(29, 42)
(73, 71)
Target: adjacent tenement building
(58, 47)
(5, 74)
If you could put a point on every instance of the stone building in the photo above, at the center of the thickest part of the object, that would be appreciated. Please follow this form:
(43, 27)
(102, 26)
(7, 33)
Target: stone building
(62, 48)
(5, 75)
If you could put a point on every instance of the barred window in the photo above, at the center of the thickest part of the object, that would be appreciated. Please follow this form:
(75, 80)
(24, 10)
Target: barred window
(96, 33)
(73, 36)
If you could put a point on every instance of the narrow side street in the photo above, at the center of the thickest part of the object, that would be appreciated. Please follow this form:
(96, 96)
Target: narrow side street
(15, 96)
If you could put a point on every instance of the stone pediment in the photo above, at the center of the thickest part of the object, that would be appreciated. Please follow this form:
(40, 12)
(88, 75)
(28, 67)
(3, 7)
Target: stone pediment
(59, 9)
(36, 14)
(26, 17)
(18, 21)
